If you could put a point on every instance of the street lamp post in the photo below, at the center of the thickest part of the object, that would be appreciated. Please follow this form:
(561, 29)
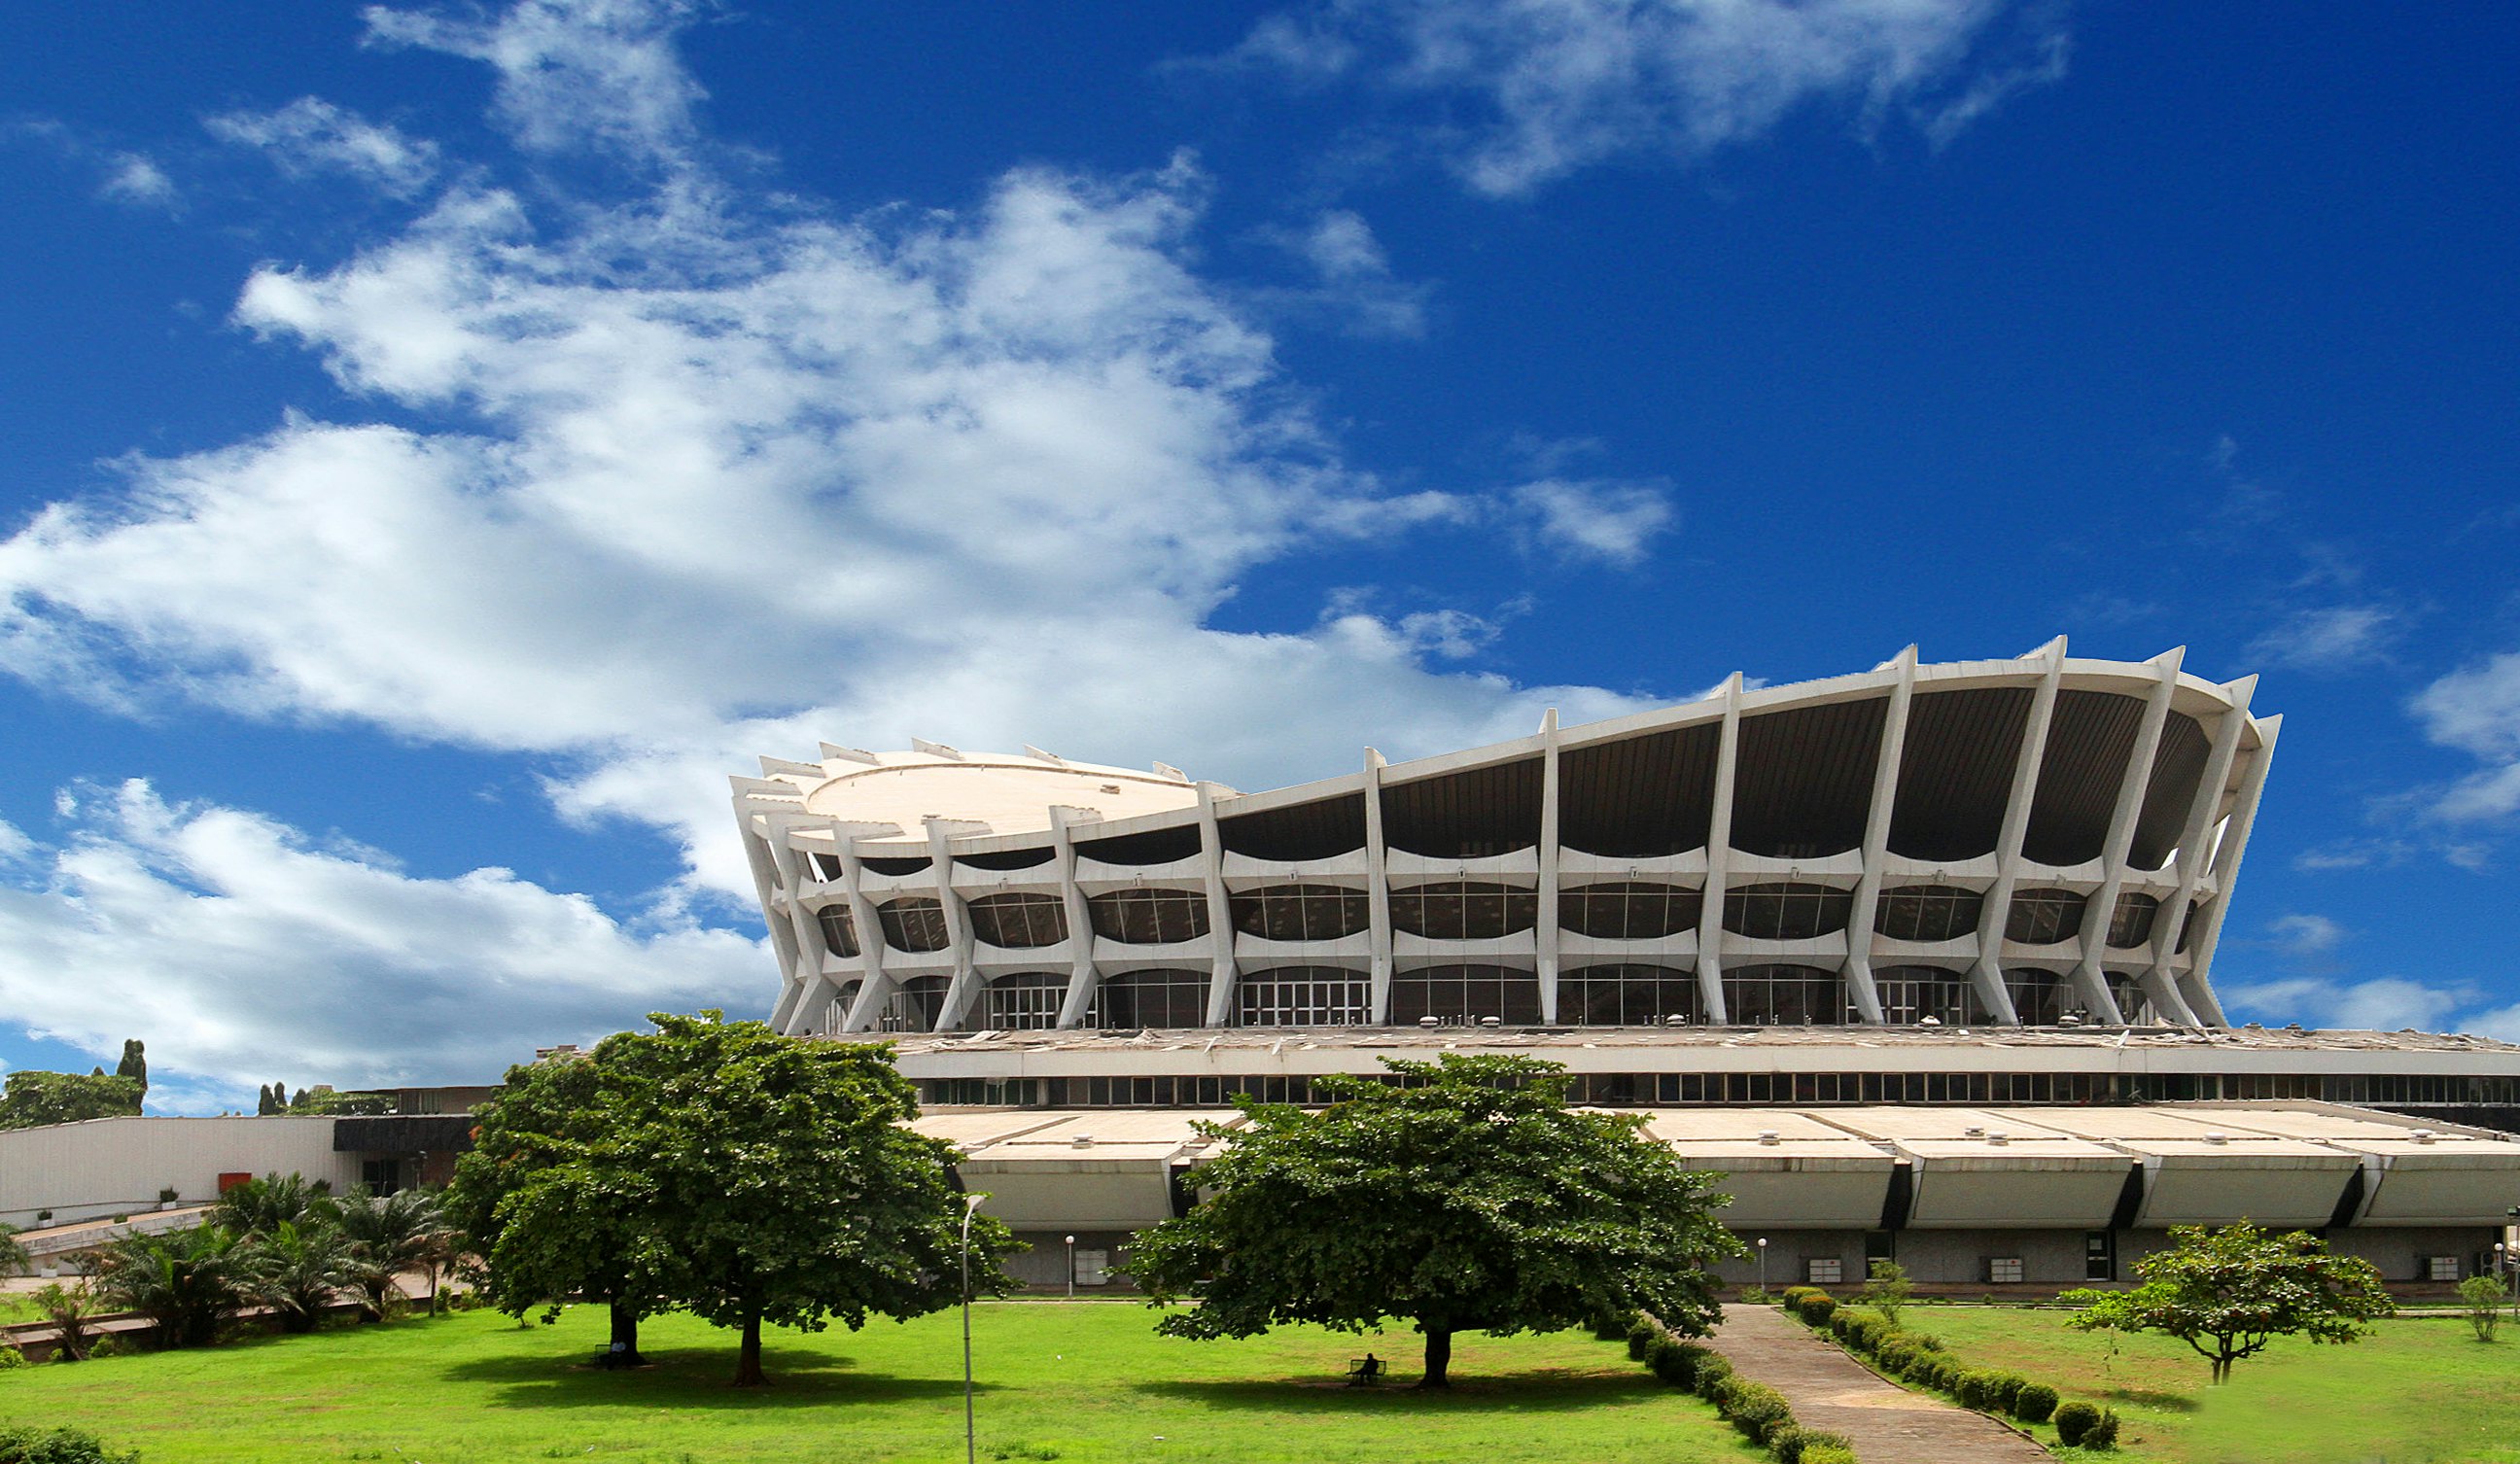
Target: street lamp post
(1071, 1267)
(971, 1435)
(1763, 1262)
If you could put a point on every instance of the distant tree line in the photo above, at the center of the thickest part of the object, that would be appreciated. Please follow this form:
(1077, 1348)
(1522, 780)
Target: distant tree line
(33, 1098)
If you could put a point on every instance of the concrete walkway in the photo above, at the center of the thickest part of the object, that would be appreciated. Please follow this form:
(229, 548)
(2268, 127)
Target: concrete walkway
(1829, 1390)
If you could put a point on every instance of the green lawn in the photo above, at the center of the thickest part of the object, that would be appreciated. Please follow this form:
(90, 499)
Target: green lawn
(2415, 1392)
(1080, 1382)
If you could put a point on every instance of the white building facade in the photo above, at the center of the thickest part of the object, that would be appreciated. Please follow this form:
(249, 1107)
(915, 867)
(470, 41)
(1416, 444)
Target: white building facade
(2044, 841)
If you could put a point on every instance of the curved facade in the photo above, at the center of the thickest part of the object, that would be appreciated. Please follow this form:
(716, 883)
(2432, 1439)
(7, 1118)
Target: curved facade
(2036, 841)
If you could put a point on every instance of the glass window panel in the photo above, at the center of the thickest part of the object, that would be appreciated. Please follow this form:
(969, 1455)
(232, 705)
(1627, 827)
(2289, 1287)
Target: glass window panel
(1149, 998)
(913, 922)
(1303, 997)
(1783, 996)
(1025, 1001)
(1465, 995)
(1463, 911)
(915, 1008)
(1787, 911)
(1929, 912)
(1628, 912)
(2131, 926)
(1148, 917)
(1628, 995)
(2044, 917)
(1302, 912)
(1911, 993)
(1019, 921)
(839, 931)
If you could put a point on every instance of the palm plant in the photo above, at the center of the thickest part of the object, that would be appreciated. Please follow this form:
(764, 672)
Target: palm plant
(72, 1310)
(184, 1280)
(399, 1232)
(302, 1269)
(259, 1206)
(13, 1255)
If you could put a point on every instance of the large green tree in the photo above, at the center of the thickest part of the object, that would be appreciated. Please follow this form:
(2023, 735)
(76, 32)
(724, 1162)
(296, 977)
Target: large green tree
(1463, 1195)
(751, 1179)
(34, 1099)
(2228, 1292)
(135, 1062)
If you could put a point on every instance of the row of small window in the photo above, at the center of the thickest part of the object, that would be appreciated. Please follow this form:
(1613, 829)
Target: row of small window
(1608, 996)
(1667, 1089)
(1470, 911)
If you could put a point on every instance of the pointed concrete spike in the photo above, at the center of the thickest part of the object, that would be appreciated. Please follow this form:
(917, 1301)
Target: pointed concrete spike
(1374, 759)
(1167, 769)
(2172, 658)
(1549, 721)
(832, 752)
(2239, 691)
(1039, 756)
(936, 749)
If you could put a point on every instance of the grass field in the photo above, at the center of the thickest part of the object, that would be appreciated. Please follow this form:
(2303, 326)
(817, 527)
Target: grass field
(1080, 1382)
(2415, 1392)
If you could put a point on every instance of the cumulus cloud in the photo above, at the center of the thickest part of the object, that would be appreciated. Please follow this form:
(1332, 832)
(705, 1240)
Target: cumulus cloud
(1557, 85)
(1613, 521)
(2387, 1003)
(246, 948)
(311, 135)
(669, 476)
(2477, 710)
(2307, 935)
(135, 178)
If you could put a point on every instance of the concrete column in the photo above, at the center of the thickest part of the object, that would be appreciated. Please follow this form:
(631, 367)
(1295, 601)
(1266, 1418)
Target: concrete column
(2195, 846)
(874, 986)
(2096, 916)
(1545, 929)
(963, 992)
(1224, 972)
(1988, 973)
(1082, 977)
(1719, 848)
(1377, 878)
(2226, 870)
(1861, 921)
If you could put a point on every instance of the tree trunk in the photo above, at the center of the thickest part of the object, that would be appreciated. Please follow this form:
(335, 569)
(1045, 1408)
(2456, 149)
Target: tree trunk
(625, 1351)
(1439, 1357)
(748, 1359)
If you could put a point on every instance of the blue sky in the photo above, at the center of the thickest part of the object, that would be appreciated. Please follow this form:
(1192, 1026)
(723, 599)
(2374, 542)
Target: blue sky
(443, 444)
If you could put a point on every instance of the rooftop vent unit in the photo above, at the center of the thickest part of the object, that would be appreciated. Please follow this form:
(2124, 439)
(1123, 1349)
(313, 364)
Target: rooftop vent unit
(1491, 1021)
(1082, 1141)
(1430, 1022)
(1998, 1139)
(2218, 1136)
(1973, 1132)
(1768, 1136)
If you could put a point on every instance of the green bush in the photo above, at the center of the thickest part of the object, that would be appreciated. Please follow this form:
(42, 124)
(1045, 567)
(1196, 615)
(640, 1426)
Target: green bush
(2002, 1388)
(1791, 1298)
(1897, 1352)
(1677, 1362)
(1755, 1408)
(2104, 1433)
(2075, 1422)
(1816, 1309)
(2034, 1402)
(1973, 1388)
(27, 1446)
(1641, 1336)
(1946, 1373)
(1829, 1454)
(1613, 1327)
(1793, 1444)
(11, 1357)
(1712, 1370)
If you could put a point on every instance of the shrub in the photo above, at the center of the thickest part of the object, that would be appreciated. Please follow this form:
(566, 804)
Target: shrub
(1755, 1408)
(1615, 1326)
(1946, 1373)
(1897, 1352)
(1974, 1387)
(1712, 1370)
(1793, 1444)
(2034, 1402)
(1886, 1289)
(1677, 1362)
(11, 1358)
(1754, 1296)
(2103, 1433)
(2481, 1298)
(2002, 1388)
(1641, 1336)
(1816, 1309)
(1791, 1298)
(1829, 1454)
(2075, 1422)
(28, 1446)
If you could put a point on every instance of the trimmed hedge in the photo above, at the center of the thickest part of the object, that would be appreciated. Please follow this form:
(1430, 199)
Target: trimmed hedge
(1755, 1408)
(2034, 1402)
(1678, 1362)
(2075, 1422)
(1829, 1454)
(1793, 1444)
(1711, 1373)
(65, 1446)
(1816, 1309)
(1758, 1410)
(1641, 1336)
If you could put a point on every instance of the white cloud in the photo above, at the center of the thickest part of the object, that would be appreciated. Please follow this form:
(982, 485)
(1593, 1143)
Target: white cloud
(1566, 83)
(599, 75)
(1356, 291)
(2330, 638)
(1595, 518)
(15, 845)
(2477, 710)
(134, 178)
(241, 950)
(2307, 935)
(311, 135)
(2388, 1003)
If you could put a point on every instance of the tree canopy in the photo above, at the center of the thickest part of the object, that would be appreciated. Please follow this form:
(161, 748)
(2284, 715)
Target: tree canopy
(718, 1167)
(2228, 1292)
(1463, 1196)
(33, 1098)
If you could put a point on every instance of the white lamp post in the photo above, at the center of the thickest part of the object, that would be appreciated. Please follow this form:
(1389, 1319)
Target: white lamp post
(971, 1435)
(1763, 1262)
(1071, 1267)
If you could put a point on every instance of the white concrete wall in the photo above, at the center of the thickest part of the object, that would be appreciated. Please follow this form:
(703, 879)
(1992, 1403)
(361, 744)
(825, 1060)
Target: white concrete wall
(118, 1165)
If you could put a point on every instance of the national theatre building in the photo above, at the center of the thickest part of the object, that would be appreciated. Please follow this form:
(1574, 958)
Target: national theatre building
(1839, 917)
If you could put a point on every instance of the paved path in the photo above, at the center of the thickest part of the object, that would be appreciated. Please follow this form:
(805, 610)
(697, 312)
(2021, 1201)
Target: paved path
(1829, 1390)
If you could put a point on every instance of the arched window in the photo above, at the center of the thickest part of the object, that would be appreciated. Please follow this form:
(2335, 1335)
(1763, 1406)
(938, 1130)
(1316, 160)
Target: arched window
(1304, 997)
(1025, 1001)
(915, 1008)
(839, 931)
(2037, 997)
(1465, 995)
(1628, 912)
(1302, 912)
(1787, 911)
(2044, 917)
(1149, 998)
(1628, 996)
(2135, 1006)
(1463, 911)
(1911, 994)
(1929, 912)
(913, 922)
(1018, 921)
(2131, 923)
(836, 1015)
(1148, 917)
(1779, 995)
